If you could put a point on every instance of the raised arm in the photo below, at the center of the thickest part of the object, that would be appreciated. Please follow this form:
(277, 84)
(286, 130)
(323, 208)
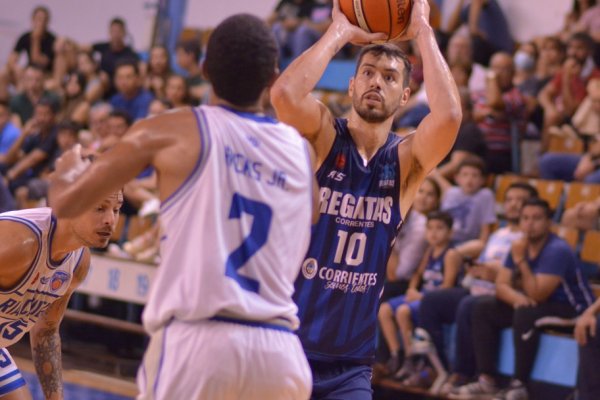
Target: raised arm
(291, 94)
(45, 338)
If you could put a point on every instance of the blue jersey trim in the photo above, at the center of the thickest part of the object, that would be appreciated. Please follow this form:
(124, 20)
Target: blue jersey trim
(11, 387)
(9, 375)
(49, 262)
(162, 357)
(38, 234)
(205, 144)
(250, 116)
(255, 324)
(78, 263)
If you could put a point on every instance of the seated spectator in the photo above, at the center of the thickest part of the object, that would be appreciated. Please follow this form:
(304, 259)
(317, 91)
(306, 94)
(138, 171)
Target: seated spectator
(92, 139)
(498, 110)
(75, 107)
(587, 334)
(176, 91)
(96, 80)
(36, 188)
(455, 305)
(559, 100)
(586, 167)
(285, 21)
(188, 58)
(470, 204)
(159, 106)
(469, 142)
(439, 268)
(584, 216)
(30, 153)
(157, 71)
(8, 131)
(116, 125)
(131, 97)
(65, 63)
(311, 28)
(38, 43)
(22, 104)
(460, 52)
(542, 278)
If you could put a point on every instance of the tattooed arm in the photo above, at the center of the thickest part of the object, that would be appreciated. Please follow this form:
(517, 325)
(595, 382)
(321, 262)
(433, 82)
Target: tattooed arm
(45, 339)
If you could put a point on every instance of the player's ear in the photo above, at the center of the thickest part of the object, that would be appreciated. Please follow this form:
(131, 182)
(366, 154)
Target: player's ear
(204, 71)
(351, 87)
(276, 73)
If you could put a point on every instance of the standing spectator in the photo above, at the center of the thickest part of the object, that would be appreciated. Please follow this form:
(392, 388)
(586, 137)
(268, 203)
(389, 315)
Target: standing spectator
(37, 43)
(542, 278)
(188, 56)
(158, 70)
(587, 333)
(8, 131)
(131, 97)
(23, 103)
(498, 110)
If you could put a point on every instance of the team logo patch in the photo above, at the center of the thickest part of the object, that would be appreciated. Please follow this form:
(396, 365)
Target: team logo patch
(57, 280)
(387, 177)
(340, 161)
(310, 268)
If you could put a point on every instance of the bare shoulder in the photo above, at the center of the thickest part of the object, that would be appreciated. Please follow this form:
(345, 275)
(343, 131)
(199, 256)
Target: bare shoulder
(169, 125)
(18, 244)
(82, 268)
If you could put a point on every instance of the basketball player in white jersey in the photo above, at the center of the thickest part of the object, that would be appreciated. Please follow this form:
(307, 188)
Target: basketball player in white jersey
(42, 261)
(236, 189)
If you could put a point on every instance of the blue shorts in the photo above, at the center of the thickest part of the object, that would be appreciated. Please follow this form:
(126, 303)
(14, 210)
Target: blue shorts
(340, 380)
(396, 302)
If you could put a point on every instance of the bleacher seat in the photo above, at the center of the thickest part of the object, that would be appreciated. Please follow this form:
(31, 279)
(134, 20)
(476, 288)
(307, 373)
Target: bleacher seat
(578, 192)
(590, 249)
(568, 145)
(570, 235)
(549, 190)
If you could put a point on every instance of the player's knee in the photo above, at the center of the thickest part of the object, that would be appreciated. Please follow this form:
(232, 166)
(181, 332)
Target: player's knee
(403, 312)
(385, 311)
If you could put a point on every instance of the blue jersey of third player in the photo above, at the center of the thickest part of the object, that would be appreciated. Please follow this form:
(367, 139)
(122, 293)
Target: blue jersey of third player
(343, 274)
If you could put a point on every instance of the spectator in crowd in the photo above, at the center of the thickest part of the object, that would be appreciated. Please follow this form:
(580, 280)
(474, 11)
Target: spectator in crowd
(22, 104)
(38, 43)
(584, 216)
(587, 334)
(116, 125)
(114, 51)
(36, 188)
(541, 278)
(286, 20)
(552, 55)
(8, 131)
(561, 100)
(92, 139)
(65, 62)
(30, 153)
(455, 305)
(586, 167)
(469, 142)
(188, 57)
(498, 110)
(176, 91)
(75, 107)
(159, 106)
(573, 17)
(487, 26)
(158, 70)
(96, 80)
(470, 203)
(311, 28)
(439, 268)
(131, 97)
(460, 52)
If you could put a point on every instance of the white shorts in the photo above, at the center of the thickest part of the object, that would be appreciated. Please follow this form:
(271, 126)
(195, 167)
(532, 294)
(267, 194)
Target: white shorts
(215, 360)
(10, 376)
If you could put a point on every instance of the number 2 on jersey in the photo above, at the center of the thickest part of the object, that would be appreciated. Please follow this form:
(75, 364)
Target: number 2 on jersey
(259, 232)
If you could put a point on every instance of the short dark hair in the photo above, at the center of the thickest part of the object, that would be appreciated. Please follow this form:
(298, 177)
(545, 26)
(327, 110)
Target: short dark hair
(124, 115)
(533, 193)
(436, 187)
(48, 102)
(584, 38)
(127, 62)
(191, 47)
(541, 203)
(443, 216)
(117, 21)
(390, 50)
(241, 59)
(36, 67)
(4, 103)
(473, 162)
(68, 125)
(43, 9)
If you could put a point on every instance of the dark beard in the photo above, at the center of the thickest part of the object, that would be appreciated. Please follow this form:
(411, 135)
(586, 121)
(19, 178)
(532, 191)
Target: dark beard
(371, 116)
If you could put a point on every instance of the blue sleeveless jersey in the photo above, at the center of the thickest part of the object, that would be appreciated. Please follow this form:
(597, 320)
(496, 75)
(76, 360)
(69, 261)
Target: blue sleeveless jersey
(344, 271)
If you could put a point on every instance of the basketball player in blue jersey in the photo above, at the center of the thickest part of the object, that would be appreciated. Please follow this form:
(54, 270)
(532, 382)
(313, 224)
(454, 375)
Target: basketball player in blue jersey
(236, 189)
(42, 261)
(368, 178)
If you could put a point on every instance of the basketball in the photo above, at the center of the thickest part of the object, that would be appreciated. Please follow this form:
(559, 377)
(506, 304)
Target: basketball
(387, 16)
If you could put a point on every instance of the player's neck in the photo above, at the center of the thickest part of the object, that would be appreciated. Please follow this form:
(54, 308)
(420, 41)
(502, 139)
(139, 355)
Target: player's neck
(63, 241)
(368, 137)
(256, 108)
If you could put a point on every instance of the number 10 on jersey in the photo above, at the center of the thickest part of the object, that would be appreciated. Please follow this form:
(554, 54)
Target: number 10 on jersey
(353, 248)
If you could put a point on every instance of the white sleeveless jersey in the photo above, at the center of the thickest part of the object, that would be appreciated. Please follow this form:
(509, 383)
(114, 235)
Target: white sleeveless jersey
(43, 283)
(236, 232)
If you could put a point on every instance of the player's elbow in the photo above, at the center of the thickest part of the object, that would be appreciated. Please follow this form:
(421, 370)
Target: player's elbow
(282, 97)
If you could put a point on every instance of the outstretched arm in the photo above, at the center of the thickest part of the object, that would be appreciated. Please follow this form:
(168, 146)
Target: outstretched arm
(45, 339)
(291, 94)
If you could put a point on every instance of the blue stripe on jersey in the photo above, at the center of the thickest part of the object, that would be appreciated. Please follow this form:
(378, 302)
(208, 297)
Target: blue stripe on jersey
(9, 375)
(14, 385)
(56, 296)
(343, 274)
(254, 324)
(38, 234)
(78, 263)
(205, 144)
(251, 116)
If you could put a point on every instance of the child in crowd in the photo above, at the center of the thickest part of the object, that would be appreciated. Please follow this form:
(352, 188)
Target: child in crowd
(439, 268)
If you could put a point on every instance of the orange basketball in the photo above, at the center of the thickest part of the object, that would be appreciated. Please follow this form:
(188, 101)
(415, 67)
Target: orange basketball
(388, 16)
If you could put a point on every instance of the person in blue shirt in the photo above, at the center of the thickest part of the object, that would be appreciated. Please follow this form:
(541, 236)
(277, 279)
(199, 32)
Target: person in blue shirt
(540, 278)
(131, 97)
(587, 334)
(8, 132)
(368, 177)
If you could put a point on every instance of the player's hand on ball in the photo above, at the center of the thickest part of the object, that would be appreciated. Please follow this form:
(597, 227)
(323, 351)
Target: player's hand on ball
(419, 18)
(355, 34)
